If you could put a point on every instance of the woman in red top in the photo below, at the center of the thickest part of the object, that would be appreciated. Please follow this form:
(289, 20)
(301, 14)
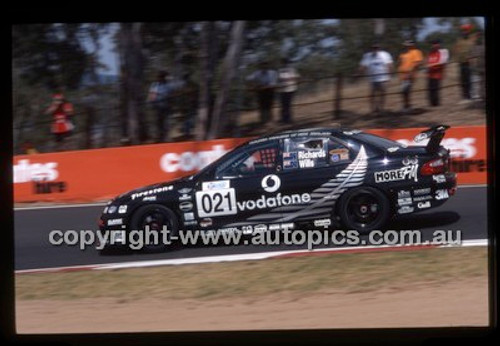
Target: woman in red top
(61, 111)
(435, 69)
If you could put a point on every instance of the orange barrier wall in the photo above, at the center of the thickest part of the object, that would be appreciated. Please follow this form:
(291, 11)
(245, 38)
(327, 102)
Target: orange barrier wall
(98, 174)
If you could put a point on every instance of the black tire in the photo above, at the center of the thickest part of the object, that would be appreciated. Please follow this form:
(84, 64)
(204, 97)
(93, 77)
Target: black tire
(156, 216)
(364, 209)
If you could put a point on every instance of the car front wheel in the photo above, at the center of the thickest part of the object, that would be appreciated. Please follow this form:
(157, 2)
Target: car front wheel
(157, 218)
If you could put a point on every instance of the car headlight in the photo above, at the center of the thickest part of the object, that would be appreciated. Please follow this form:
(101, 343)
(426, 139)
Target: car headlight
(111, 209)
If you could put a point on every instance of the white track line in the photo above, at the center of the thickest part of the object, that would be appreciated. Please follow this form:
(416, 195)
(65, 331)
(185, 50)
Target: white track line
(471, 185)
(60, 206)
(241, 257)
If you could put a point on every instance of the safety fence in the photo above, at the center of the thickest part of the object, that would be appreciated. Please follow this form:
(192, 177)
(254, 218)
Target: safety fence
(99, 174)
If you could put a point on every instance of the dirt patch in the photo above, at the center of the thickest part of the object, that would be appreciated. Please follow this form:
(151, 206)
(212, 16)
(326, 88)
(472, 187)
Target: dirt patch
(459, 303)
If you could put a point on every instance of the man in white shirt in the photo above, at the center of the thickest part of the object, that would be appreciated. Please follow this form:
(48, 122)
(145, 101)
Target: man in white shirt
(377, 65)
(288, 82)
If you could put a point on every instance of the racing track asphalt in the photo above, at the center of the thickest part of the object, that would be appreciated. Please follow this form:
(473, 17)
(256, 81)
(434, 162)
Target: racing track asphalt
(466, 211)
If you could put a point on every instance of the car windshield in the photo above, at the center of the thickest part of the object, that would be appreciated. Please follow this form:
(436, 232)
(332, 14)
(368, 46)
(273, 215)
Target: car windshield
(378, 141)
(216, 162)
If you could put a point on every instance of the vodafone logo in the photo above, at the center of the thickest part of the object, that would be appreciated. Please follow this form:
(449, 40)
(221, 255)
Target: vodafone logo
(190, 160)
(271, 183)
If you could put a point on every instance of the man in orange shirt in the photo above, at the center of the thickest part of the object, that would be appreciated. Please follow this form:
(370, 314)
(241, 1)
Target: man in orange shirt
(409, 62)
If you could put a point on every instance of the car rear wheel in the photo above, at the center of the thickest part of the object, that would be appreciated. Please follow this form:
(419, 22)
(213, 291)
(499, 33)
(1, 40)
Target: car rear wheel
(364, 209)
(156, 217)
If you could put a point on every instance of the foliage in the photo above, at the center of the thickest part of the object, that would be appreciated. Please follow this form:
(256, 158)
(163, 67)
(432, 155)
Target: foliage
(52, 57)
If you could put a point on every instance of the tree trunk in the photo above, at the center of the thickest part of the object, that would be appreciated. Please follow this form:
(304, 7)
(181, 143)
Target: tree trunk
(204, 103)
(123, 92)
(218, 121)
(132, 74)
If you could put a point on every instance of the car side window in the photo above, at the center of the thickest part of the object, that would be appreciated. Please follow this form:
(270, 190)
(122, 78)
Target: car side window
(304, 153)
(256, 161)
(337, 152)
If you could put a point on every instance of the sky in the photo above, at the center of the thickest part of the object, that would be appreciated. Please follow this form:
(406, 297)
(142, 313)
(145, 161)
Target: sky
(109, 57)
(107, 54)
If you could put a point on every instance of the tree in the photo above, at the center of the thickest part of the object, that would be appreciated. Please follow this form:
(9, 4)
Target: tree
(132, 67)
(218, 121)
(46, 58)
(207, 33)
(51, 54)
(355, 37)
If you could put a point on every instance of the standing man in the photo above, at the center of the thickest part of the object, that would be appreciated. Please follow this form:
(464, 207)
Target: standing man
(264, 82)
(62, 112)
(378, 65)
(288, 82)
(462, 52)
(159, 98)
(436, 62)
(188, 95)
(409, 62)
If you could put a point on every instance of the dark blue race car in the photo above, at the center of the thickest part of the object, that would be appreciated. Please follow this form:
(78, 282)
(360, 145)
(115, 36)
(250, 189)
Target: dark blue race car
(324, 177)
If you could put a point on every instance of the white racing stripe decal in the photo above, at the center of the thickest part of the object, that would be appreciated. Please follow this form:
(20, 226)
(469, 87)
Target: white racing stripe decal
(336, 185)
(246, 257)
(324, 196)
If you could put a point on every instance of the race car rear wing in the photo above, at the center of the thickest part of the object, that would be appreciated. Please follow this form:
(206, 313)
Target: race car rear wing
(434, 134)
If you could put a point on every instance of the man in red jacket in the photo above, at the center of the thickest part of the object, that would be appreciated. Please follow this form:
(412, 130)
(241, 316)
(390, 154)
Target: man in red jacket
(61, 111)
(436, 62)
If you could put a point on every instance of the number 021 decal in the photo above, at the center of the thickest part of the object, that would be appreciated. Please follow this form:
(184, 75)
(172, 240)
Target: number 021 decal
(216, 202)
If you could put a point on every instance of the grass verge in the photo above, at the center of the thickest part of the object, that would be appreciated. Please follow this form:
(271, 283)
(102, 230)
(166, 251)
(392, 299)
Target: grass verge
(342, 273)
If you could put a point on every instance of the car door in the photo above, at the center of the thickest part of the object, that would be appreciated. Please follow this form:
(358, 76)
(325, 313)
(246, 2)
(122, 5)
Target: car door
(309, 167)
(236, 196)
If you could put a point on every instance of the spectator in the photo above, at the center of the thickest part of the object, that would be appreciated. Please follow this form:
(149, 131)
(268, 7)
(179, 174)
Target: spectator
(62, 126)
(409, 62)
(288, 83)
(159, 97)
(436, 62)
(188, 96)
(477, 68)
(462, 52)
(29, 148)
(378, 65)
(264, 82)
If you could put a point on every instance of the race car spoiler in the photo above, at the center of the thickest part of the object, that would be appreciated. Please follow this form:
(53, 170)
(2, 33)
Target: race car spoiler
(434, 134)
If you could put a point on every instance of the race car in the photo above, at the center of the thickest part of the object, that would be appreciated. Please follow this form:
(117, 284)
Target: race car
(324, 177)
